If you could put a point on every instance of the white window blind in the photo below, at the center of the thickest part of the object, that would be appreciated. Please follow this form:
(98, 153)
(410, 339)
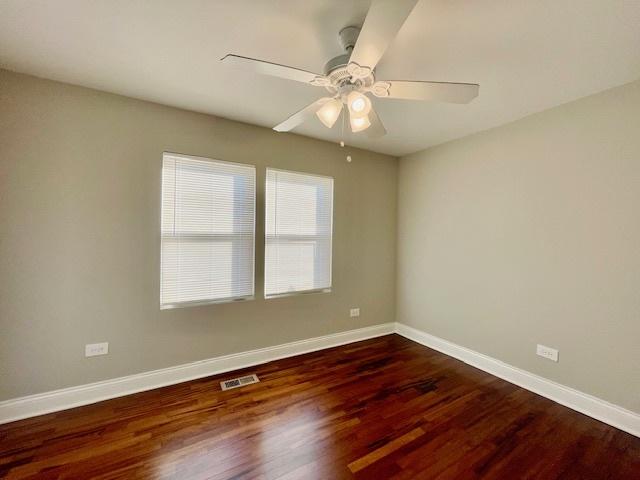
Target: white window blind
(208, 220)
(299, 217)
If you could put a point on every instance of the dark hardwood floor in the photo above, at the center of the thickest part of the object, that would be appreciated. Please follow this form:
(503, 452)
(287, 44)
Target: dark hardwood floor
(382, 408)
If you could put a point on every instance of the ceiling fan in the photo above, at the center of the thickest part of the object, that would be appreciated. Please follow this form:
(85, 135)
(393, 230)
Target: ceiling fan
(350, 77)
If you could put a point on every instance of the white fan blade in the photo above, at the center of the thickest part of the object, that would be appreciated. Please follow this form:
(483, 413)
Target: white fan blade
(383, 21)
(435, 91)
(301, 116)
(276, 70)
(377, 128)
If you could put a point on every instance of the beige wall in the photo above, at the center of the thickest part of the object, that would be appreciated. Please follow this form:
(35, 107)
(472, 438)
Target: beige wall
(530, 233)
(79, 237)
(527, 233)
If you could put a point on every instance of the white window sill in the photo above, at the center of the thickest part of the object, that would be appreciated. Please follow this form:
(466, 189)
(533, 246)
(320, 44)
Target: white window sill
(199, 303)
(292, 294)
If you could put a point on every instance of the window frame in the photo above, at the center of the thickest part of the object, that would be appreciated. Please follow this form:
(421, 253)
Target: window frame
(312, 291)
(196, 303)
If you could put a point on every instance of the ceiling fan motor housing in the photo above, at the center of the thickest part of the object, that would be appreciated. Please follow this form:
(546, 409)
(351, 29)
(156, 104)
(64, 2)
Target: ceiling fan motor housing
(339, 72)
(341, 61)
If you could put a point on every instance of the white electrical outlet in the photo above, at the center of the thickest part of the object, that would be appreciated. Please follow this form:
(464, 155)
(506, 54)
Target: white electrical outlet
(547, 352)
(354, 312)
(93, 349)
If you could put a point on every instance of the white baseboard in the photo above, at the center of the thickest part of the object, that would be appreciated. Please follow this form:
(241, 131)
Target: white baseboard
(587, 404)
(32, 405)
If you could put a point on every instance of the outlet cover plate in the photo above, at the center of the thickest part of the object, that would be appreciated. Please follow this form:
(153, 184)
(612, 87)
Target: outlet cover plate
(547, 352)
(94, 349)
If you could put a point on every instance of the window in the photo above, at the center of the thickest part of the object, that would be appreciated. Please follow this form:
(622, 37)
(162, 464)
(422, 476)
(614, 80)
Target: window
(208, 219)
(299, 216)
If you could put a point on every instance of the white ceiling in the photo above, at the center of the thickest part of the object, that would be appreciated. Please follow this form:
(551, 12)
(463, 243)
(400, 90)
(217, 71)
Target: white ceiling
(527, 55)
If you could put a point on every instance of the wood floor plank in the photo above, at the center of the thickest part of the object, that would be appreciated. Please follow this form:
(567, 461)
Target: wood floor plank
(385, 450)
(379, 409)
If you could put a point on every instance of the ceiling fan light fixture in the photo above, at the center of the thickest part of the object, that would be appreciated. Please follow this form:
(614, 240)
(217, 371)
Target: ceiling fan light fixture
(330, 112)
(360, 123)
(359, 104)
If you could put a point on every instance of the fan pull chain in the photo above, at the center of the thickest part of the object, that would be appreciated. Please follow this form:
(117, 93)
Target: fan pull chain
(344, 117)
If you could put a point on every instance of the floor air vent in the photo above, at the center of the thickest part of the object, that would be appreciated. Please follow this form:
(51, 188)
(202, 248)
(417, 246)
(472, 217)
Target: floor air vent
(239, 382)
